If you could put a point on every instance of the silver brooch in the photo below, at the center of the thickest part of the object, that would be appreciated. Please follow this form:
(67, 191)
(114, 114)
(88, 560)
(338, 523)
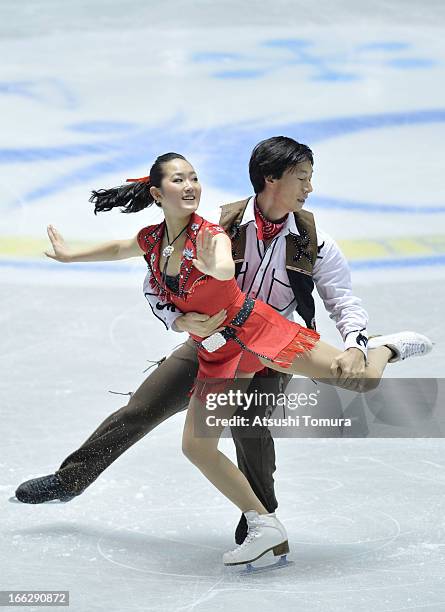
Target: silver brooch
(188, 253)
(194, 227)
(168, 250)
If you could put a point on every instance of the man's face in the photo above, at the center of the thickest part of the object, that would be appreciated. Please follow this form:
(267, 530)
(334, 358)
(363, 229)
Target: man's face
(292, 189)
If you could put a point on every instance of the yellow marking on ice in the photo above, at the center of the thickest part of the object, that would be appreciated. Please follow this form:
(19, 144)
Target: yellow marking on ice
(362, 249)
(22, 246)
(354, 250)
(409, 246)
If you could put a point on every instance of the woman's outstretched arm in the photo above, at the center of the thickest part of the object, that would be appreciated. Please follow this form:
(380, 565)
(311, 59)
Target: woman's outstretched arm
(107, 251)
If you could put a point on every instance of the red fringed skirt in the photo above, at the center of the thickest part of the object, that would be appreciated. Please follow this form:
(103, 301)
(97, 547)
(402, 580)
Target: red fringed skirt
(265, 334)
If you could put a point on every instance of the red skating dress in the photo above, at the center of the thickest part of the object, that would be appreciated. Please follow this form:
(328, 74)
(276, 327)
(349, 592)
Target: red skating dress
(265, 333)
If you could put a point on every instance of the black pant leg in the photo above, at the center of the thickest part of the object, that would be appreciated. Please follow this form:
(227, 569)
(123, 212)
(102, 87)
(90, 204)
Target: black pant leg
(162, 394)
(255, 449)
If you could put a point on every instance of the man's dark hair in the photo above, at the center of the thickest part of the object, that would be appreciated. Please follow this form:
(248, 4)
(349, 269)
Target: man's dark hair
(272, 157)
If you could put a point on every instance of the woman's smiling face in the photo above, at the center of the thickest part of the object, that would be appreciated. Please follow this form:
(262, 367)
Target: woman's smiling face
(180, 190)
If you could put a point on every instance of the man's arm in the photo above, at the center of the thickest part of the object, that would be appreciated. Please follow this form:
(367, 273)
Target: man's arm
(332, 279)
(198, 324)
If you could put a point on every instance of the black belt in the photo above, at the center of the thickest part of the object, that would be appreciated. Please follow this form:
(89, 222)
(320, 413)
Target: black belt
(218, 339)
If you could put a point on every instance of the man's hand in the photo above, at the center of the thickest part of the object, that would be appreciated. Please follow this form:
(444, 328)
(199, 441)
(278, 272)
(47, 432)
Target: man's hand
(200, 324)
(349, 368)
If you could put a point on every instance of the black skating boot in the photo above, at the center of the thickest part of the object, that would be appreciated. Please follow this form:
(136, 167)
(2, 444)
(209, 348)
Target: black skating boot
(43, 489)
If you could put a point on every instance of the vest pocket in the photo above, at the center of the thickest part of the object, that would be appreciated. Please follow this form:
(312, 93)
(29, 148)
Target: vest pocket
(280, 295)
(240, 275)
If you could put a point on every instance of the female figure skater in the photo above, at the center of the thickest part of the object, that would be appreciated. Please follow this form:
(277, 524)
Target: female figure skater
(190, 264)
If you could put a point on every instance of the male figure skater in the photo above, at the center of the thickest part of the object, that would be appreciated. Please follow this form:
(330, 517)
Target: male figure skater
(280, 255)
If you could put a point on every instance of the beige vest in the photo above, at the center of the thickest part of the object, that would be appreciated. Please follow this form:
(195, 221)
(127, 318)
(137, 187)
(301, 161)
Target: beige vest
(301, 251)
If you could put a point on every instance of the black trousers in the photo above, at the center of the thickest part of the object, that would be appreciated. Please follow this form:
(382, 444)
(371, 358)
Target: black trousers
(162, 394)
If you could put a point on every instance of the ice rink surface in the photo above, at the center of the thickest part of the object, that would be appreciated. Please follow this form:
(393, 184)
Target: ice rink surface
(90, 93)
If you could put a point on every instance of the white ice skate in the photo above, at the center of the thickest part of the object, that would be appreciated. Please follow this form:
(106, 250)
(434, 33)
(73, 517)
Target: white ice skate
(265, 533)
(404, 344)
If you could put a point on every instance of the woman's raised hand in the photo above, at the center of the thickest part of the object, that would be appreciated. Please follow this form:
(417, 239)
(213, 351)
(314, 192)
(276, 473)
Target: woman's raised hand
(61, 250)
(205, 260)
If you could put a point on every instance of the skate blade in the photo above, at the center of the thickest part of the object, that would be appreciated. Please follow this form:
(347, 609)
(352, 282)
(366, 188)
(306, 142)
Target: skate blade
(14, 500)
(256, 569)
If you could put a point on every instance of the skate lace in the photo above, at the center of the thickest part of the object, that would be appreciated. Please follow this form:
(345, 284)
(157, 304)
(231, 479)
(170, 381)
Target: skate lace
(412, 348)
(251, 535)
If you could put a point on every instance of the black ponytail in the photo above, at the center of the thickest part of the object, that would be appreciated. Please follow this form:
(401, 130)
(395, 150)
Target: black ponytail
(131, 197)
(134, 196)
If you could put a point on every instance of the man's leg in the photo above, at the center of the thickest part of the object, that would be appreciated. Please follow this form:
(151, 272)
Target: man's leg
(255, 449)
(162, 394)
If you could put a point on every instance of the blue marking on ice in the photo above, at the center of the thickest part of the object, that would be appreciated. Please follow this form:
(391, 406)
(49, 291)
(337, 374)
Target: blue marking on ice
(102, 127)
(389, 45)
(215, 56)
(17, 88)
(406, 262)
(408, 63)
(293, 44)
(78, 266)
(366, 264)
(223, 162)
(328, 66)
(330, 75)
(239, 74)
(31, 154)
(329, 203)
(50, 91)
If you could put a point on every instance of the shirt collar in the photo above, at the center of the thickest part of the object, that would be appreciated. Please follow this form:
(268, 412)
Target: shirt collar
(249, 215)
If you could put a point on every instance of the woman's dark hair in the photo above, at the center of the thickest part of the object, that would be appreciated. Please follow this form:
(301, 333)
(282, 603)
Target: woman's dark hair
(134, 196)
(272, 157)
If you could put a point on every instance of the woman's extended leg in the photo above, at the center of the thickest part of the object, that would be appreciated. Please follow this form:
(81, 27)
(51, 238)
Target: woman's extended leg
(317, 363)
